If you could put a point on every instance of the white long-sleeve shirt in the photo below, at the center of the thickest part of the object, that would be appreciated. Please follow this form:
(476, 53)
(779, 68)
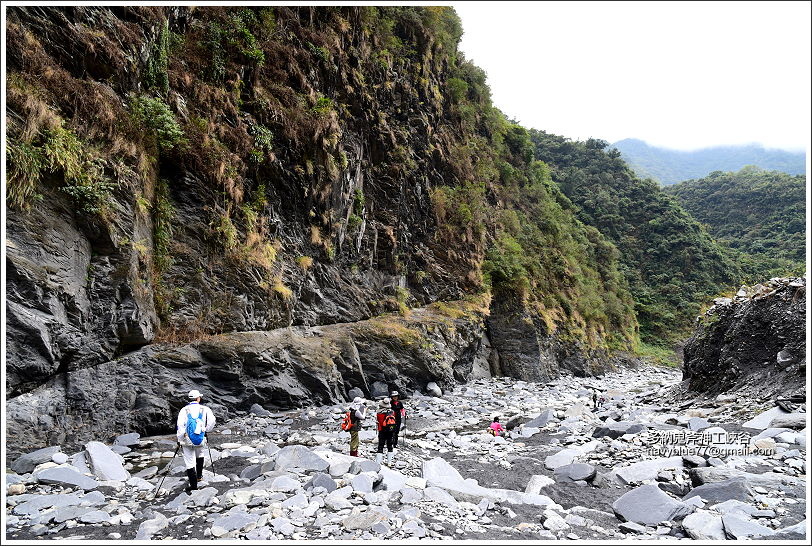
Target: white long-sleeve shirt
(208, 421)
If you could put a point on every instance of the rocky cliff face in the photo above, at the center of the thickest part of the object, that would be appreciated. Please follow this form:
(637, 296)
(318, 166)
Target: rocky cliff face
(255, 174)
(284, 368)
(757, 338)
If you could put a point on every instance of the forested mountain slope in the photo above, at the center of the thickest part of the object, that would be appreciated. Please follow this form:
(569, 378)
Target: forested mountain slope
(760, 213)
(671, 262)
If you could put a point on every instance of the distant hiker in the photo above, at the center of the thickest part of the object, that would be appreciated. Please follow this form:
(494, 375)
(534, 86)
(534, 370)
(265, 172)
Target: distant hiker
(601, 401)
(496, 428)
(595, 399)
(357, 413)
(400, 415)
(194, 421)
(386, 429)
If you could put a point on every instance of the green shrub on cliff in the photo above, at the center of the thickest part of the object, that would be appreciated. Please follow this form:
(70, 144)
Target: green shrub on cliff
(154, 114)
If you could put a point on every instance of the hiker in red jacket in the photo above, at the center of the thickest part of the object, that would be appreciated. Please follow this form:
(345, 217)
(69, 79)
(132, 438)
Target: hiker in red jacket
(386, 429)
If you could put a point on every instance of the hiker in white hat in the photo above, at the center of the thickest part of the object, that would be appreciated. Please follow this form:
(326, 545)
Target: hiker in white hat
(357, 411)
(194, 421)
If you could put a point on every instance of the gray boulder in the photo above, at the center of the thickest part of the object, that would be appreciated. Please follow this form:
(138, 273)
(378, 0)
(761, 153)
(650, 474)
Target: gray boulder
(648, 505)
(795, 421)
(104, 463)
(322, 480)
(704, 525)
(698, 423)
(151, 526)
(64, 475)
(574, 472)
(542, 419)
(354, 393)
(616, 430)
(379, 390)
(297, 456)
(432, 389)
(28, 462)
(129, 439)
(364, 465)
(763, 420)
(738, 528)
(259, 411)
(646, 470)
(732, 489)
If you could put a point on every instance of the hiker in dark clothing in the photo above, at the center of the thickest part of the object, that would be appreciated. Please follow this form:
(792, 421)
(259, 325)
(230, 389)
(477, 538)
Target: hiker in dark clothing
(386, 427)
(400, 414)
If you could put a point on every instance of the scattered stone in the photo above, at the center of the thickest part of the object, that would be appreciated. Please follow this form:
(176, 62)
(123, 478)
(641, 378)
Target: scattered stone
(234, 520)
(795, 421)
(298, 456)
(648, 505)
(65, 475)
(362, 520)
(105, 464)
(616, 430)
(151, 526)
(25, 464)
(322, 480)
(632, 527)
(737, 528)
(575, 472)
(127, 440)
(537, 482)
(764, 419)
(704, 525)
(542, 419)
(717, 492)
(646, 470)
(259, 411)
(432, 389)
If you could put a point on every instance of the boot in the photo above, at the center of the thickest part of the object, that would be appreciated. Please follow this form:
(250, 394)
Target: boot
(199, 468)
(191, 473)
(390, 458)
(353, 453)
(379, 458)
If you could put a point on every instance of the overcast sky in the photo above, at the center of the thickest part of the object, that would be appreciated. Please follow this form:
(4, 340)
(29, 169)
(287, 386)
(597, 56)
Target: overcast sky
(682, 75)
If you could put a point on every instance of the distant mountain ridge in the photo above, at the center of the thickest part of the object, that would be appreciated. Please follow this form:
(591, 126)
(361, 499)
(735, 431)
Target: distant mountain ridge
(671, 166)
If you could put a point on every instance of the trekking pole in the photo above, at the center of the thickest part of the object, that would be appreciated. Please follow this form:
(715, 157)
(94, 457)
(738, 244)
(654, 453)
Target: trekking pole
(168, 469)
(211, 459)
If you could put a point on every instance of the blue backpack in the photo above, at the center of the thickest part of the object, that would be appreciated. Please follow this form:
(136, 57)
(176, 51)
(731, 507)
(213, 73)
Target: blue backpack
(194, 427)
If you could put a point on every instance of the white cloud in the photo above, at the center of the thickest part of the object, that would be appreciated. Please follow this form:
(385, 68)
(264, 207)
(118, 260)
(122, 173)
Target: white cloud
(678, 74)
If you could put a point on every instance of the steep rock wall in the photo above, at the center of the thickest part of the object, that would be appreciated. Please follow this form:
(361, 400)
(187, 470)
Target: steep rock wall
(757, 338)
(278, 369)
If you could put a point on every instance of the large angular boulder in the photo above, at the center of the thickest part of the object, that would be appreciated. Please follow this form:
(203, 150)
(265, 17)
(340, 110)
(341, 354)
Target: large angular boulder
(542, 419)
(297, 456)
(104, 463)
(645, 470)
(575, 472)
(616, 430)
(795, 421)
(648, 505)
(732, 489)
(704, 525)
(129, 439)
(763, 419)
(739, 528)
(65, 475)
(28, 462)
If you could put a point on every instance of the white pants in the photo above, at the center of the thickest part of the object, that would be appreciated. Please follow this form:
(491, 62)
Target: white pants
(190, 454)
